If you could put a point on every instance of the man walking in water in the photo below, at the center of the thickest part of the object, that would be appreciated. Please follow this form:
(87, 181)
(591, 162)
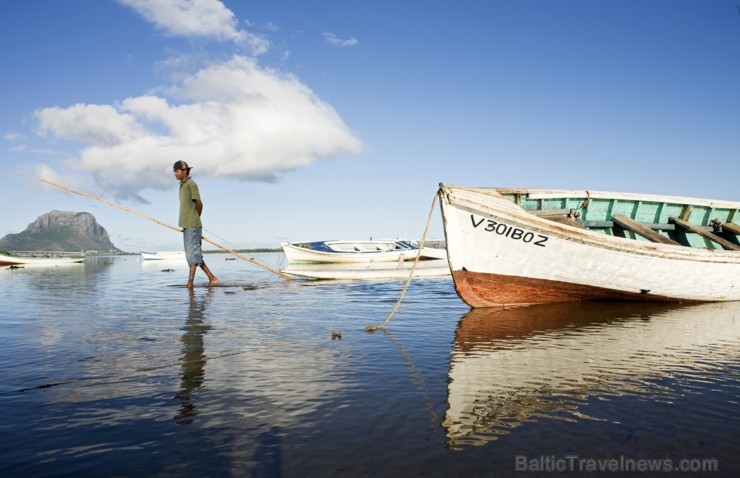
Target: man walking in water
(192, 227)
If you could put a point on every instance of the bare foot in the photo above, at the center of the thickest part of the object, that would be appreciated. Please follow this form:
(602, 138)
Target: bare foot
(190, 285)
(213, 281)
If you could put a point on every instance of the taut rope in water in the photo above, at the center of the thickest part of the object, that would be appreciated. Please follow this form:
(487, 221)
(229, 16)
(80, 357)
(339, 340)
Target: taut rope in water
(372, 328)
(247, 259)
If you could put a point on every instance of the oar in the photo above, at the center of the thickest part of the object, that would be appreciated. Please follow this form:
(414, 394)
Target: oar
(247, 259)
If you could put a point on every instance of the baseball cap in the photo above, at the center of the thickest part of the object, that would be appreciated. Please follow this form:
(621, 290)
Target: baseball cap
(181, 165)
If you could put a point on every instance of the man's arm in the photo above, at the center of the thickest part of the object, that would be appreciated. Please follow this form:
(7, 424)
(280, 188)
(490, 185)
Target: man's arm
(198, 206)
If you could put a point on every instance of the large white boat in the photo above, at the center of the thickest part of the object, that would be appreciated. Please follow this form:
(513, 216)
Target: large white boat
(357, 251)
(514, 247)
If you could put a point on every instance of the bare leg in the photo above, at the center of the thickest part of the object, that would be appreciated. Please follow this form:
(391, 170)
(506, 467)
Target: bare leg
(212, 280)
(191, 278)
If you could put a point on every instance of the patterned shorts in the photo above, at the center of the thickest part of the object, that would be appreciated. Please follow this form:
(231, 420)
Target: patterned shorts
(192, 237)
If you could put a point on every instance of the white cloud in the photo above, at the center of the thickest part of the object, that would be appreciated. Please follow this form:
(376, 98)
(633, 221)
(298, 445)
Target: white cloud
(333, 40)
(97, 125)
(233, 120)
(13, 136)
(197, 18)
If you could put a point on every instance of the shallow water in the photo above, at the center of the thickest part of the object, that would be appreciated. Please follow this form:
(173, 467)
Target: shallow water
(114, 368)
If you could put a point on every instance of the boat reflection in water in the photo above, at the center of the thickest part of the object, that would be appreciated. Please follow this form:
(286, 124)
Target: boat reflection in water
(514, 366)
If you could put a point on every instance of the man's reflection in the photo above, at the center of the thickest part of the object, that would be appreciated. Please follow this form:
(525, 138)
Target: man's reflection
(193, 359)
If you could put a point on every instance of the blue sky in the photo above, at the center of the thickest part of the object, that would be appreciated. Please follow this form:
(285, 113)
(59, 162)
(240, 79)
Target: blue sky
(338, 119)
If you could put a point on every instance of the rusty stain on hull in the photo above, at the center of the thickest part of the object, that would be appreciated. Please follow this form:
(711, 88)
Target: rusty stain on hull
(495, 290)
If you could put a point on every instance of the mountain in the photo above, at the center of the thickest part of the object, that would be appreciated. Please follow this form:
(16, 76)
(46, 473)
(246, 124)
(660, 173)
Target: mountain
(61, 231)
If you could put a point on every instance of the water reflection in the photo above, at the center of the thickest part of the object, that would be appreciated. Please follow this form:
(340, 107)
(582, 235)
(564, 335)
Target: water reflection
(510, 367)
(193, 360)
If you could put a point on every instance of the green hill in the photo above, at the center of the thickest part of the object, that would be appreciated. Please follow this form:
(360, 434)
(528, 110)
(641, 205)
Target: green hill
(61, 231)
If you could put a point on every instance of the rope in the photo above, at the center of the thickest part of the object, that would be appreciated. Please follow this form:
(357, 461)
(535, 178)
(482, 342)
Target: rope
(416, 377)
(372, 328)
(227, 242)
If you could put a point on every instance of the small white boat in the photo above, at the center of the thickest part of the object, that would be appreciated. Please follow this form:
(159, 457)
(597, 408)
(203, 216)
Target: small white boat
(12, 260)
(512, 247)
(163, 256)
(369, 271)
(358, 251)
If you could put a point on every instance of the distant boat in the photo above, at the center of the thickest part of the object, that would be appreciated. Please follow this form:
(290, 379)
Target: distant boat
(163, 256)
(12, 260)
(514, 247)
(357, 251)
(369, 271)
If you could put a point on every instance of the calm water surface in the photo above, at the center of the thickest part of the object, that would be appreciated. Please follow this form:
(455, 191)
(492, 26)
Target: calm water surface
(113, 368)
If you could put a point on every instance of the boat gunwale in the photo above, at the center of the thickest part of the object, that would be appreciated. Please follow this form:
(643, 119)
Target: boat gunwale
(498, 205)
(407, 245)
(540, 193)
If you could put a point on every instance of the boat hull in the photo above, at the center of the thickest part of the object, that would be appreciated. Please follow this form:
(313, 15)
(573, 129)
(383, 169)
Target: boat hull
(163, 256)
(369, 271)
(7, 260)
(501, 255)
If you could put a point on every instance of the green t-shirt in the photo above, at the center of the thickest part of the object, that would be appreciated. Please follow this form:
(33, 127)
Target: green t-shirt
(188, 214)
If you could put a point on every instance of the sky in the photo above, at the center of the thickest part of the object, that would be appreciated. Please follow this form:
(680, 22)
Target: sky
(337, 119)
